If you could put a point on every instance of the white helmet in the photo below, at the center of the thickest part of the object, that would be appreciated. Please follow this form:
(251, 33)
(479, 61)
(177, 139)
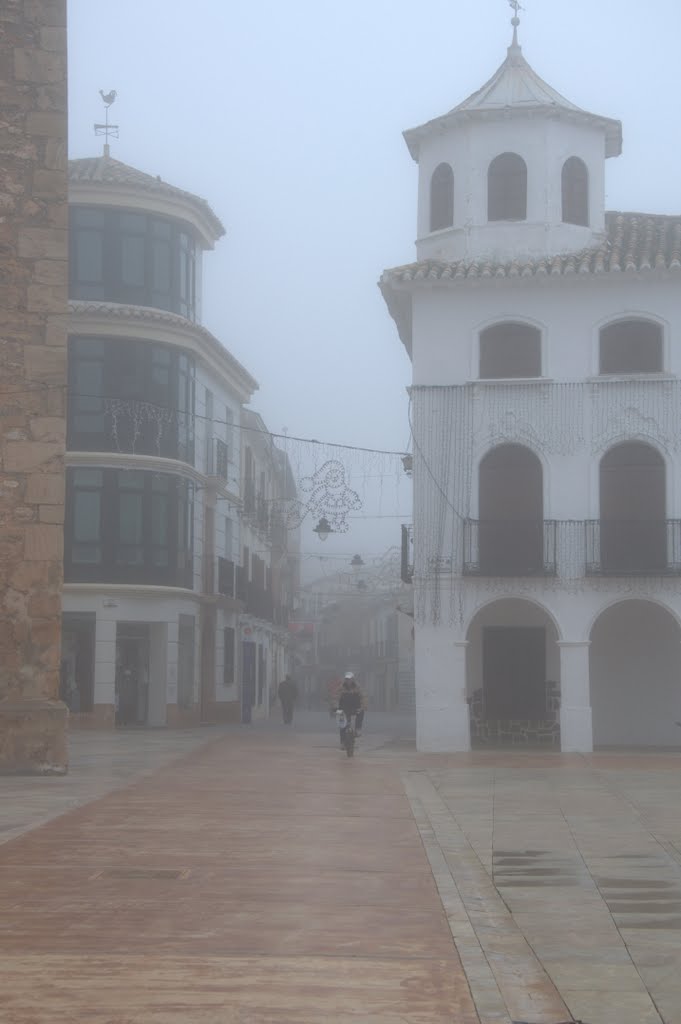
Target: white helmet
(349, 675)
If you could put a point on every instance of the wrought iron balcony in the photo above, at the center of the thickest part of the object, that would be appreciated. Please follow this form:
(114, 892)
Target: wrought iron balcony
(634, 547)
(510, 548)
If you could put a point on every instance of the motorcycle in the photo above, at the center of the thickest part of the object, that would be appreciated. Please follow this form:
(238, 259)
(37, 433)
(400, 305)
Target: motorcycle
(348, 726)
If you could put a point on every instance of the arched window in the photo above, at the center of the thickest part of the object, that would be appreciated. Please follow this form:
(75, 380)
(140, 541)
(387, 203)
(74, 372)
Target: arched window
(442, 198)
(507, 188)
(510, 350)
(511, 512)
(631, 346)
(633, 500)
(575, 187)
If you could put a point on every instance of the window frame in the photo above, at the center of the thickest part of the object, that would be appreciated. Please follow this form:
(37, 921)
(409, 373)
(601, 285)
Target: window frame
(504, 193)
(441, 198)
(575, 203)
(175, 569)
(534, 333)
(630, 322)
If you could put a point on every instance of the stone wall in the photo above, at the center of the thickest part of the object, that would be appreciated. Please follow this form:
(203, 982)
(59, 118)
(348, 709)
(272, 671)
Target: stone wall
(33, 298)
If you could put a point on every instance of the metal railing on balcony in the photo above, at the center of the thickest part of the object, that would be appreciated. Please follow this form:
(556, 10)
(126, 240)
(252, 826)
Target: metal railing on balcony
(635, 547)
(510, 548)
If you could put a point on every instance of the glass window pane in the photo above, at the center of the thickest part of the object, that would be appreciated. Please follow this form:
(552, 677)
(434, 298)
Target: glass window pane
(88, 382)
(130, 518)
(131, 479)
(83, 216)
(159, 518)
(86, 516)
(87, 477)
(160, 266)
(89, 256)
(160, 228)
(132, 260)
(134, 223)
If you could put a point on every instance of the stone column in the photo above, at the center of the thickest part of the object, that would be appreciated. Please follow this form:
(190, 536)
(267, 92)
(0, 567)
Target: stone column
(33, 306)
(576, 733)
(442, 714)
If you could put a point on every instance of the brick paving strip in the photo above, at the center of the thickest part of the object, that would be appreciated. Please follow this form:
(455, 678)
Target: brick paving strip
(259, 880)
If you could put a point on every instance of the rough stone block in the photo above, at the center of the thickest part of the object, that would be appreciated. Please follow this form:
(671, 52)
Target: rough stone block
(45, 298)
(27, 456)
(42, 243)
(53, 39)
(48, 428)
(45, 363)
(39, 66)
(43, 542)
(44, 122)
(33, 737)
(52, 514)
(45, 489)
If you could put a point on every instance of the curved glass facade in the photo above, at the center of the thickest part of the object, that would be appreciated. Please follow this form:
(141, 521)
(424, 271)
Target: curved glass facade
(134, 258)
(127, 395)
(128, 526)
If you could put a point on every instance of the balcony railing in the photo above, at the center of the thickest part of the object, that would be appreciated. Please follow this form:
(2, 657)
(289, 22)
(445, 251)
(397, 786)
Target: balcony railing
(572, 549)
(510, 548)
(636, 547)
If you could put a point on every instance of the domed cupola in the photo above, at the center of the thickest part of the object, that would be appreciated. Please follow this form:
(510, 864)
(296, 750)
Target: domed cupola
(514, 170)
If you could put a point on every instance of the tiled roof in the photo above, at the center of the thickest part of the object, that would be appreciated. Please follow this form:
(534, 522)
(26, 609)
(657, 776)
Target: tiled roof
(107, 171)
(515, 86)
(635, 243)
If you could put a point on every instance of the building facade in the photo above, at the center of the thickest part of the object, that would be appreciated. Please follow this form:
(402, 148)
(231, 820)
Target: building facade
(33, 296)
(154, 590)
(545, 339)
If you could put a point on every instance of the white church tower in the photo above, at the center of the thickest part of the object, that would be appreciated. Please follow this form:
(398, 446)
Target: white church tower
(545, 339)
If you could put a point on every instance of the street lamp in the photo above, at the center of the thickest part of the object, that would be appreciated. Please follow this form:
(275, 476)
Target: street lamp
(323, 528)
(357, 562)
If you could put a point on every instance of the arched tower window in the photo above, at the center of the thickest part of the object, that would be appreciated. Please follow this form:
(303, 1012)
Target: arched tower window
(510, 350)
(507, 188)
(442, 198)
(575, 188)
(630, 346)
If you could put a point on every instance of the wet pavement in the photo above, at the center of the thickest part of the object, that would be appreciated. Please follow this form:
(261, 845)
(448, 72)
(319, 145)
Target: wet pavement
(256, 874)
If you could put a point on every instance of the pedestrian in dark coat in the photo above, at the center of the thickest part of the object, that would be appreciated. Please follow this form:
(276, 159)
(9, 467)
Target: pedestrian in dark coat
(288, 694)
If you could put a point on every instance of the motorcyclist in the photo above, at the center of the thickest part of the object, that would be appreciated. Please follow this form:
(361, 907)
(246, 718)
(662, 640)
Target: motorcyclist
(349, 701)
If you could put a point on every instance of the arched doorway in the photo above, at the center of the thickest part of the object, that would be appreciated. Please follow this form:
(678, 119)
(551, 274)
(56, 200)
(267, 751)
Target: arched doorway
(513, 675)
(511, 512)
(634, 662)
(633, 509)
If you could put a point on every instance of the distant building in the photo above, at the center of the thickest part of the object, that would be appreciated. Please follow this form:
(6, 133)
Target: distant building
(545, 338)
(154, 583)
(357, 620)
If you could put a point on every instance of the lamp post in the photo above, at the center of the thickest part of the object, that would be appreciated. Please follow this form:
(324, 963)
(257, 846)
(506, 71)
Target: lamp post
(323, 528)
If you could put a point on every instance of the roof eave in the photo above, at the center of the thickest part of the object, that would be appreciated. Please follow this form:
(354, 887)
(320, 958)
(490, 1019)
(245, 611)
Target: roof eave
(180, 207)
(414, 137)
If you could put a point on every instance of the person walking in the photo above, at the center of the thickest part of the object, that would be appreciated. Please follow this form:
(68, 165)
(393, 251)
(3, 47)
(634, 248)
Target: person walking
(287, 692)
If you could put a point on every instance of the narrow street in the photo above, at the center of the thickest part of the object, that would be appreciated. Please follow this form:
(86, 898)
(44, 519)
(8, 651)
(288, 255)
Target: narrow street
(258, 875)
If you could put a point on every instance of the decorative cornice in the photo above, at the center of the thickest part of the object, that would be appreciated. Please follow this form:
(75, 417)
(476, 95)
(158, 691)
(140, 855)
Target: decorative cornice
(206, 344)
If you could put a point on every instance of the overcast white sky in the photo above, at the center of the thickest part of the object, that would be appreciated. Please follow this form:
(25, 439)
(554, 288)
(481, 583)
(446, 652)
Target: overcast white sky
(287, 118)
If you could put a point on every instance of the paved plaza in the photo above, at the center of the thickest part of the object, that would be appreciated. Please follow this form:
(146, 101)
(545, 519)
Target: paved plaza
(258, 876)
